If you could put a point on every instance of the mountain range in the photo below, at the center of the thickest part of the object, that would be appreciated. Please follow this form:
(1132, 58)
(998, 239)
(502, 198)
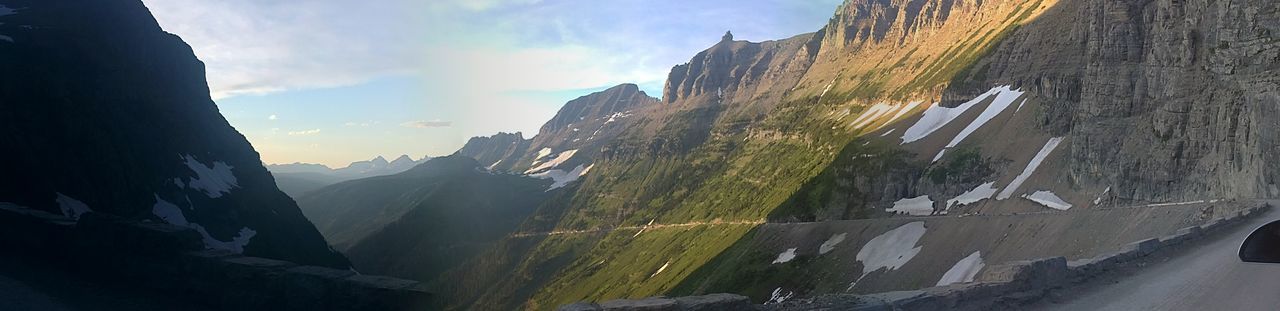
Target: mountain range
(893, 109)
(296, 179)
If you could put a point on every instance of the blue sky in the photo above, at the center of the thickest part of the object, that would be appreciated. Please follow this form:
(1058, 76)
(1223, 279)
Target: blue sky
(333, 82)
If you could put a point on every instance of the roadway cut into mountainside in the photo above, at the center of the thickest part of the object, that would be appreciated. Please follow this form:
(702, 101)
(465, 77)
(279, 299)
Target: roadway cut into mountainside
(780, 261)
(1016, 260)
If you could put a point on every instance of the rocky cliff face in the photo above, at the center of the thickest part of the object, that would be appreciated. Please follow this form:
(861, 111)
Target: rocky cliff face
(105, 112)
(1164, 100)
(494, 150)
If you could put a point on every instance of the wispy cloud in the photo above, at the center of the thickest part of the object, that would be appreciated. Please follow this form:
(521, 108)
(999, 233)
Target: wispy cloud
(258, 47)
(304, 132)
(272, 117)
(427, 124)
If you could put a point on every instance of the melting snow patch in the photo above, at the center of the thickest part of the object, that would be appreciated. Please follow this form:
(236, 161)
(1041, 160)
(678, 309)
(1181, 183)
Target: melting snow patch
(830, 244)
(616, 116)
(644, 228)
(169, 212)
(786, 256)
(778, 297)
(1049, 199)
(1004, 97)
(1031, 168)
(559, 159)
(563, 178)
(236, 244)
(664, 267)
(215, 180)
(72, 208)
(917, 206)
(872, 114)
(937, 116)
(1024, 102)
(910, 106)
(541, 154)
(982, 192)
(890, 250)
(963, 271)
(1104, 194)
(888, 133)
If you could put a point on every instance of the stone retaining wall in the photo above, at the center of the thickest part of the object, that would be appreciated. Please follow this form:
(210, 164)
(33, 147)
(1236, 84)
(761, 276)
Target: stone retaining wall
(173, 260)
(1009, 284)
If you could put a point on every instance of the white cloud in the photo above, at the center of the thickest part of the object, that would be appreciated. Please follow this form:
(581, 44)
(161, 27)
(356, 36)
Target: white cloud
(258, 47)
(304, 132)
(272, 117)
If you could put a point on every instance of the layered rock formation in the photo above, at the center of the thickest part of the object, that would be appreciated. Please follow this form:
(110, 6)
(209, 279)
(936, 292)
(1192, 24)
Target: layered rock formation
(104, 112)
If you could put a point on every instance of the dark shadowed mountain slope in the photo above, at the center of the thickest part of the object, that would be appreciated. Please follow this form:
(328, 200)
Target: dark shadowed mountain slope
(496, 150)
(418, 223)
(101, 110)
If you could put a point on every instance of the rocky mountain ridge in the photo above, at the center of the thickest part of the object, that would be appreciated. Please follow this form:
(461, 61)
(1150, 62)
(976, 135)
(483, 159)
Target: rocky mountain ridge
(296, 179)
(895, 109)
(85, 137)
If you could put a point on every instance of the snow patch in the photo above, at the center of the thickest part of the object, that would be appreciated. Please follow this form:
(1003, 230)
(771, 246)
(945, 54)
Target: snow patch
(1005, 96)
(562, 178)
(1024, 102)
(642, 229)
(937, 116)
(831, 243)
(617, 115)
(963, 271)
(71, 207)
(888, 133)
(559, 159)
(1048, 199)
(786, 256)
(541, 154)
(664, 267)
(1030, 169)
(982, 192)
(169, 212)
(1104, 194)
(778, 297)
(917, 206)
(891, 250)
(872, 114)
(236, 244)
(215, 180)
(902, 112)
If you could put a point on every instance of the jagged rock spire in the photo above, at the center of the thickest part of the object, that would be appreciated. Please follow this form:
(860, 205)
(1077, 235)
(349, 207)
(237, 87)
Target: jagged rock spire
(728, 36)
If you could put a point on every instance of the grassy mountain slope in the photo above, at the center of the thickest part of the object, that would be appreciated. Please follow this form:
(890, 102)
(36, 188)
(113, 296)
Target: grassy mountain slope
(744, 127)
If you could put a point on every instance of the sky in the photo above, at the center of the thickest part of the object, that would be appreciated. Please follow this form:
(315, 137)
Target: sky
(333, 82)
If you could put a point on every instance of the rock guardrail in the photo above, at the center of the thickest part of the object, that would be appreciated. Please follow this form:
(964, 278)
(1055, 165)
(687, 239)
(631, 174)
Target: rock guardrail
(173, 260)
(998, 286)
